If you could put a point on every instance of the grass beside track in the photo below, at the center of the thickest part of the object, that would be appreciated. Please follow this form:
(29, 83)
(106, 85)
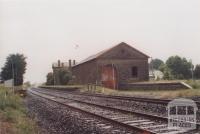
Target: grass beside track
(170, 94)
(164, 94)
(13, 114)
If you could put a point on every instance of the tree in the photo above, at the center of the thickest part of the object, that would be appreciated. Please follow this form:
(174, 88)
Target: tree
(162, 67)
(62, 77)
(156, 63)
(15, 65)
(179, 67)
(197, 72)
(50, 79)
(65, 76)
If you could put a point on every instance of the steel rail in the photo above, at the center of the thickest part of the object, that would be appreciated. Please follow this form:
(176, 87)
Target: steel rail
(111, 108)
(134, 128)
(155, 117)
(118, 97)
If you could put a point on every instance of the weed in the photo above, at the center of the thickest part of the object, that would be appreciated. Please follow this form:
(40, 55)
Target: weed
(13, 112)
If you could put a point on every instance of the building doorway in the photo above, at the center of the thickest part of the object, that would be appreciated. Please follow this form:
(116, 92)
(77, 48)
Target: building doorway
(109, 76)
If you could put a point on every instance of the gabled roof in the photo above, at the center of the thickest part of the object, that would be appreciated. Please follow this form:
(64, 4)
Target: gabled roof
(95, 56)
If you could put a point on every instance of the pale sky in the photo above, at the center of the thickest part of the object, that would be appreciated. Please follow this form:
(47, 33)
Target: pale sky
(48, 30)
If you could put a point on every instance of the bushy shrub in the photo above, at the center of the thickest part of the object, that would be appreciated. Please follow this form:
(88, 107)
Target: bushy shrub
(194, 84)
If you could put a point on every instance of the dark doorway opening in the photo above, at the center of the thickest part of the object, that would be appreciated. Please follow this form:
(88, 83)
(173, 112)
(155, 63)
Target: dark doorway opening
(134, 72)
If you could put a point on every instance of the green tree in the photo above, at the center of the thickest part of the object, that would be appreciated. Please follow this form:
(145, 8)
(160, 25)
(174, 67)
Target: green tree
(166, 72)
(65, 76)
(50, 79)
(15, 65)
(179, 67)
(156, 63)
(197, 72)
(162, 67)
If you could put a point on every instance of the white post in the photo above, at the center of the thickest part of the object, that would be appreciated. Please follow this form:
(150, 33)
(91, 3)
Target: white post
(152, 66)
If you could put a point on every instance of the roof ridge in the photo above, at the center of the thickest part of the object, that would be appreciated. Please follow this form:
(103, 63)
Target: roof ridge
(94, 56)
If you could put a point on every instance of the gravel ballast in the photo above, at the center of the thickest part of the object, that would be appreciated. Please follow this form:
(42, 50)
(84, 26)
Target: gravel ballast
(57, 119)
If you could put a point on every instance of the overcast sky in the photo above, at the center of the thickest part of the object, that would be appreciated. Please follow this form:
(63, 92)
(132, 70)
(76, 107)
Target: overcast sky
(47, 30)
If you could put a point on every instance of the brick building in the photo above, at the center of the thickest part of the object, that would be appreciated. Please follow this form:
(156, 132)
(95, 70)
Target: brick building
(60, 66)
(113, 67)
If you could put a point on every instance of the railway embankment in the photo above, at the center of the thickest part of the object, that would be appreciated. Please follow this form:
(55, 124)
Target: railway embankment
(14, 118)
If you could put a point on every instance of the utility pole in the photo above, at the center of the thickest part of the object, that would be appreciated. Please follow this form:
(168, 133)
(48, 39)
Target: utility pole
(192, 70)
(54, 80)
(13, 76)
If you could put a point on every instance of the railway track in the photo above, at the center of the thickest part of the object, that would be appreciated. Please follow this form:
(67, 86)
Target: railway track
(143, 123)
(148, 105)
(118, 97)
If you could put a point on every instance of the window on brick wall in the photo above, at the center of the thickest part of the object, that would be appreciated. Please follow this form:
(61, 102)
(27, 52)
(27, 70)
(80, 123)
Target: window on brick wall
(134, 72)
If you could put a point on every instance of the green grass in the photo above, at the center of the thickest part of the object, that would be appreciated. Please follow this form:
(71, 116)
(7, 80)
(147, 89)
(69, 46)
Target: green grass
(195, 84)
(145, 93)
(167, 94)
(13, 114)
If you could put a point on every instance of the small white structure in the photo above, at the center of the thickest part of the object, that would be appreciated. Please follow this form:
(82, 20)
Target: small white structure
(9, 83)
(156, 74)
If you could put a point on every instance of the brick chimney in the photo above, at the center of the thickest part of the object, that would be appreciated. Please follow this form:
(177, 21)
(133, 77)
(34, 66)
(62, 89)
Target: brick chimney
(74, 62)
(58, 63)
(70, 63)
